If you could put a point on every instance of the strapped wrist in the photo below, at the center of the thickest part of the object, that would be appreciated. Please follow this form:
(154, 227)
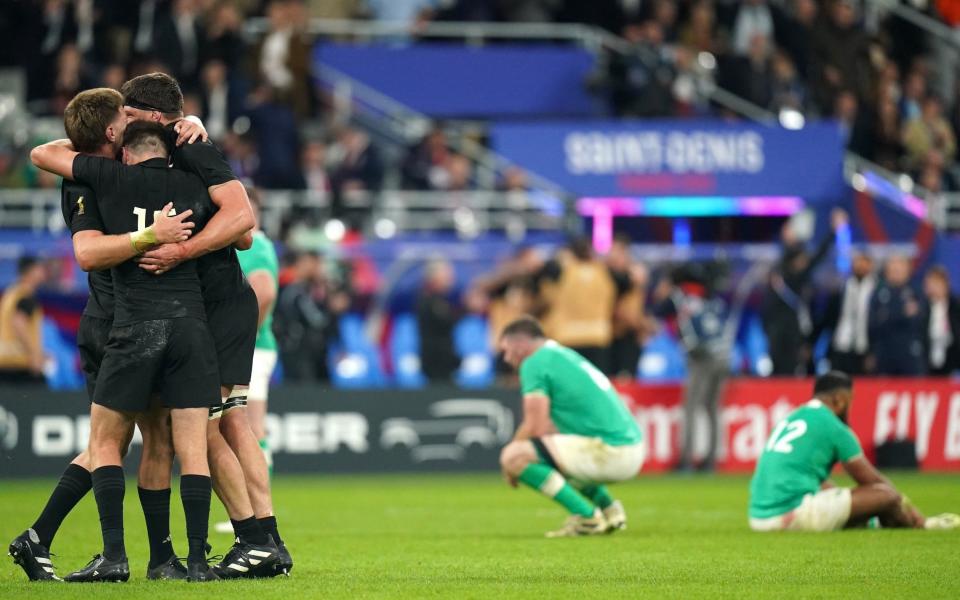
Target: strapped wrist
(143, 240)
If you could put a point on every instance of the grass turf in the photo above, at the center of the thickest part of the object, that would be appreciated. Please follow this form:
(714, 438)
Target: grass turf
(469, 536)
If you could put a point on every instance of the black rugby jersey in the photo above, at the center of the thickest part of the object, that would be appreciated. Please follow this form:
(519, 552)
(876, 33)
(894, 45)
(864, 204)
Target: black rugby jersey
(128, 197)
(78, 203)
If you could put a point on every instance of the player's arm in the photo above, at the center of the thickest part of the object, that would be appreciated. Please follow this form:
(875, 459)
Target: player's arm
(536, 417)
(861, 471)
(266, 290)
(233, 219)
(95, 250)
(56, 157)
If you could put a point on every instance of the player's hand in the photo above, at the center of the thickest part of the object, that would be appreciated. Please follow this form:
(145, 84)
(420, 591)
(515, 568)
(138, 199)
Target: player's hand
(163, 258)
(171, 229)
(510, 479)
(189, 132)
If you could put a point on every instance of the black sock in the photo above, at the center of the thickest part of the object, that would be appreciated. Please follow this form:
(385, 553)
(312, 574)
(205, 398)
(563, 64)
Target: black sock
(108, 488)
(269, 525)
(249, 531)
(195, 495)
(156, 511)
(73, 485)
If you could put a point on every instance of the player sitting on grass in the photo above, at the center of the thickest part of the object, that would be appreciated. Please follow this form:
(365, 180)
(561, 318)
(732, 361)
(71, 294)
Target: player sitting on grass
(576, 433)
(791, 490)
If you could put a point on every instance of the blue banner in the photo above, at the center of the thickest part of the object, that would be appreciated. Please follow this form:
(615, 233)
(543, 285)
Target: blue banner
(451, 80)
(679, 157)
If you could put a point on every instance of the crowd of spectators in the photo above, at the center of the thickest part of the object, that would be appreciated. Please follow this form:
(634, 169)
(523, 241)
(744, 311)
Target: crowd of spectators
(892, 86)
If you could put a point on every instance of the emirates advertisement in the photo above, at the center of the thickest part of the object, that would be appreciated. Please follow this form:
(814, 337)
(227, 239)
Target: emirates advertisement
(923, 411)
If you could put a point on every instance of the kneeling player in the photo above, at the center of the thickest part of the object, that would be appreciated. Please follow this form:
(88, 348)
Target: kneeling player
(576, 433)
(791, 491)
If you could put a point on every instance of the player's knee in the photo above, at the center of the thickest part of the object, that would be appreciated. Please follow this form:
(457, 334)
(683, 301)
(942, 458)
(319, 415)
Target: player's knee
(515, 457)
(891, 497)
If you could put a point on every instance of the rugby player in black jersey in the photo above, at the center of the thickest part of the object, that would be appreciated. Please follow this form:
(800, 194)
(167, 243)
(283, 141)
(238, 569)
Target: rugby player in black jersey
(254, 554)
(231, 305)
(160, 339)
(94, 126)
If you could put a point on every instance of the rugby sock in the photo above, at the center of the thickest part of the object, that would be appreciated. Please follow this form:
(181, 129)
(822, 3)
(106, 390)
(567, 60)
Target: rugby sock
(552, 484)
(156, 511)
(73, 485)
(267, 454)
(195, 495)
(108, 488)
(249, 530)
(269, 525)
(598, 494)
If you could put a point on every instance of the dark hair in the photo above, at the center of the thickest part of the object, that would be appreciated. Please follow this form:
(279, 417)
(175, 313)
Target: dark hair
(88, 115)
(25, 263)
(527, 326)
(581, 248)
(154, 91)
(832, 381)
(940, 272)
(147, 136)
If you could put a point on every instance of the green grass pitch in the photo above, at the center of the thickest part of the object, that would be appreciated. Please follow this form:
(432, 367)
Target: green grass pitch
(469, 536)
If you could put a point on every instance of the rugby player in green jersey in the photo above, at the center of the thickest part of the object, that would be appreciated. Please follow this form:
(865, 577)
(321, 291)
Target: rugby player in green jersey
(791, 488)
(576, 434)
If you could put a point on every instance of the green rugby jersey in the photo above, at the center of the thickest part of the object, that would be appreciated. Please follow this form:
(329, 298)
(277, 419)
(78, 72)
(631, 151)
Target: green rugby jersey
(582, 399)
(262, 256)
(798, 458)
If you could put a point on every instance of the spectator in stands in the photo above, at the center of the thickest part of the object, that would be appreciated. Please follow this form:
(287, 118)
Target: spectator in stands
(355, 166)
(853, 122)
(896, 327)
(640, 83)
(179, 42)
(914, 91)
(306, 319)
(689, 296)
(785, 311)
(750, 75)
(221, 98)
(21, 349)
(424, 166)
(314, 160)
(333, 9)
(664, 14)
(274, 128)
(436, 318)
(793, 30)
(224, 36)
(787, 88)
(283, 58)
(699, 33)
(840, 56)
(579, 294)
(526, 11)
(631, 325)
(71, 78)
(930, 131)
(885, 147)
(941, 320)
(754, 20)
(459, 173)
(411, 13)
(692, 84)
(848, 318)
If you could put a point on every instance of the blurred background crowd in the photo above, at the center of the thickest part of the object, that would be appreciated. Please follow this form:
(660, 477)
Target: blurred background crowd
(246, 67)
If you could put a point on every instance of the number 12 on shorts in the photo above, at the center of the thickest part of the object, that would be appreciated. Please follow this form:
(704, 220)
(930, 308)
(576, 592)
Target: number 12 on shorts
(142, 216)
(784, 434)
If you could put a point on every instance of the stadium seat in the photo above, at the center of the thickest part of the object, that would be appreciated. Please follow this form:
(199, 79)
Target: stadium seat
(353, 360)
(405, 352)
(471, 340)
(64, 374)
(663, 359)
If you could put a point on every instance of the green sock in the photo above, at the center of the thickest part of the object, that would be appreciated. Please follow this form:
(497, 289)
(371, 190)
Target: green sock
(265, 446)
(552, 484)
(598, 494)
